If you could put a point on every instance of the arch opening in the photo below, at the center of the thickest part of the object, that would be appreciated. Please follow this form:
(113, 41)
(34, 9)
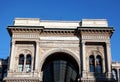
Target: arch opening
(21, 62)
(91, 63)
(60, 67)
(28, 62)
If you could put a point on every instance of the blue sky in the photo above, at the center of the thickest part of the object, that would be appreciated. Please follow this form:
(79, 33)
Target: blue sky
(60, 10)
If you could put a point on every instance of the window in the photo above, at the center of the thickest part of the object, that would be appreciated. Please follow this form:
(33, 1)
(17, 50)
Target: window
(28, 63)
(21, 62)
(0, 69)
(119, 73)
(95, 65)
(5, 73)
(98, 64)
(91, 64)
(114, 74)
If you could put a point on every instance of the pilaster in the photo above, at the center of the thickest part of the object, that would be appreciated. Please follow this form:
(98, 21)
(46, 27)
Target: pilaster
(36, 56)
(83, 60)
(118, 74)
(103, 65)
(109, 59)
(11, 66)
(24, 64)
(32, 64)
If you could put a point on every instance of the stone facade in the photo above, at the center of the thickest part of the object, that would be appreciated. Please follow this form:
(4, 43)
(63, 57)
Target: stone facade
(84, 45)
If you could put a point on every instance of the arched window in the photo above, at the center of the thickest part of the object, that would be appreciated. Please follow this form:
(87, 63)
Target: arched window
(28, 63)
(91, 64)
(98, 64)
(21, 62)
(114, 74)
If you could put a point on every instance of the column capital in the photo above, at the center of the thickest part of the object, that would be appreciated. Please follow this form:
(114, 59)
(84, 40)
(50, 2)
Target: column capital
(37, 42)
(107, 43)
(83, 42)
(109, 75)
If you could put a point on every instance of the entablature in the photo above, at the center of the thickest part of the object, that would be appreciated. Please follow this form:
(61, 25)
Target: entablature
(24, 29)
(84, 32)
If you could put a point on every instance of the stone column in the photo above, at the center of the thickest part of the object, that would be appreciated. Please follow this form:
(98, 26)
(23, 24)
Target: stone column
(109, 60)
(11, 65)
(32, 64)
(36, 56)
(118, 74)
(24, 70)
(103, 65)
(83, 60)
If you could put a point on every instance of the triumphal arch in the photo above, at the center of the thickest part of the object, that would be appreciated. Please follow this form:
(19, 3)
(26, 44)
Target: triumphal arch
(60, 51)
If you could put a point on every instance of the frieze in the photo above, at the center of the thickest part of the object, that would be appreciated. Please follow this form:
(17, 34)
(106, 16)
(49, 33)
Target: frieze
(26, 35)
(24, 47)
(58, 45)
(98, 37)
(59, 38)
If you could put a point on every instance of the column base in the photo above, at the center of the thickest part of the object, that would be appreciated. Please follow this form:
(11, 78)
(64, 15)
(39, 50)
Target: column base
(84, 75)
(109, 75)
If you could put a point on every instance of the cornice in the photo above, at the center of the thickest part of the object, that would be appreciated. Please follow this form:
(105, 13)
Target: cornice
(12, 29)
(75, 31)
(93, 30)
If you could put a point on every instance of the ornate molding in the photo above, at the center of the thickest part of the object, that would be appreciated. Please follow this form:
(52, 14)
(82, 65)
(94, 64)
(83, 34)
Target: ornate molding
(59, 32)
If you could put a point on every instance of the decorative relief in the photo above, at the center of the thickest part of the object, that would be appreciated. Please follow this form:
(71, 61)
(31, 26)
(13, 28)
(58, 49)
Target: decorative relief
(73, 50)
(27, 51)
(77, 51)
(24, 49)
(95, 50)
(43, 50)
